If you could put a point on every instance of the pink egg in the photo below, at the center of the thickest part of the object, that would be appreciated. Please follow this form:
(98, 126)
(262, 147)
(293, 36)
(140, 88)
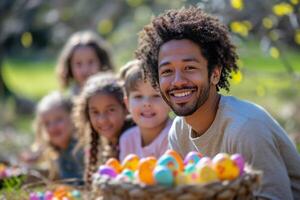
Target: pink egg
(106, 170)
(239, 161)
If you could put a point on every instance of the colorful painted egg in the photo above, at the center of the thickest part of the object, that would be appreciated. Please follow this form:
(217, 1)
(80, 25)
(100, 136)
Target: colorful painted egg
(204, 161)
(122, 178)
(115, 164)
(131, 162)
(48, 195)
(177, 158)
(169, 162)
(106, 170)
(192, 157)
(145, 170)
(33, 196)
(128, 173)
(206, 173)
(181, 179)
(163, 175)
(239, 161)
(225, 168)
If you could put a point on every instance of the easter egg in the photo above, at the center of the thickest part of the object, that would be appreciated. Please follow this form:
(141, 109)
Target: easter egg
(128, 173)
(145, 170)
(33, 196)
(169, 162)
(181, 179)
(76, 194)
(177, 158)
(106, 170)
(190, 173)
(131, 162)
(204, 161)
(122, 178)
(192, 157)
(48, 195)
(239, 161)
(206, 173)
(163, 175)
(115, 164)
(225, 168)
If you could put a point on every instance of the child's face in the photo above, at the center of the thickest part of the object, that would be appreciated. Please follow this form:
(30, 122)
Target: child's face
(58, 125)
(84, 63)
(146, 106)
(107, 115)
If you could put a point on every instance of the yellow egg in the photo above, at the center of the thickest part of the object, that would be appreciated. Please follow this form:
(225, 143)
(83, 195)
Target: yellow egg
(130, 162)
(206, 174)
(145, 170)
(225, 168)
(181, 179)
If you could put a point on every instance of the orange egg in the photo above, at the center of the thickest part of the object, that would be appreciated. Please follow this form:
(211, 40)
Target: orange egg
(115, 164)
(177, 158)
(145, 170)
(130, 162)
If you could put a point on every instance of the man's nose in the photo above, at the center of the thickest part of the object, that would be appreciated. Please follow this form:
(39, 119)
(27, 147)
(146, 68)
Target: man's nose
(179, 78)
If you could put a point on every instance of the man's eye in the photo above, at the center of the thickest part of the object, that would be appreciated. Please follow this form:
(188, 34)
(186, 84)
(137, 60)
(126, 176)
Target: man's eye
(137, 96)
(166, 72)
(189, 68)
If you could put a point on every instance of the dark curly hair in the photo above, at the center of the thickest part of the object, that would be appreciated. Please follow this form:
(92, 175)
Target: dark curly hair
(188, 23)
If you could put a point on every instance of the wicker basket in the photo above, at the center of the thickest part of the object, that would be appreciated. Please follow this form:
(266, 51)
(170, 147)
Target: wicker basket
(241, 188)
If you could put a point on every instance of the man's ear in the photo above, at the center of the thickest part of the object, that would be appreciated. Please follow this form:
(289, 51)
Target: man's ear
(216, 75)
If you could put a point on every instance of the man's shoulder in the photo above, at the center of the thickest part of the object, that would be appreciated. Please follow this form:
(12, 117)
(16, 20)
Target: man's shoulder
(235, 107)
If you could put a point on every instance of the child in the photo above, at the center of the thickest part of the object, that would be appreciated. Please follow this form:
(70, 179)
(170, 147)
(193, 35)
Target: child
(55, 135)
(100, 114)
(149, 112)
(84, 54)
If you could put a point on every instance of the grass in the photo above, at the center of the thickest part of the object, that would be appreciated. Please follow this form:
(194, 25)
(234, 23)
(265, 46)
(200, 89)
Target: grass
(29, 78)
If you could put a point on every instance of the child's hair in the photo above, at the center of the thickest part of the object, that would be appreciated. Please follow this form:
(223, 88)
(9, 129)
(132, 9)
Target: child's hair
(131, 74)
(78, 39)
(52, 100)
(105, 83)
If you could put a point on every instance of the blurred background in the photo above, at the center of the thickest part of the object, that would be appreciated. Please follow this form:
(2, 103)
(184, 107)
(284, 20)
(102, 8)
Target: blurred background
(32, 33)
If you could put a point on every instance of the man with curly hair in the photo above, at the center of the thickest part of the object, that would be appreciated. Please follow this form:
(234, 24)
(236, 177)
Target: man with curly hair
(187, 54)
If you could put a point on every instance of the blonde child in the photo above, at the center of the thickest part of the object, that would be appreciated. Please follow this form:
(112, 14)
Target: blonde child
(149, 112)
(55, 136)
(100, 116)
(84, 54)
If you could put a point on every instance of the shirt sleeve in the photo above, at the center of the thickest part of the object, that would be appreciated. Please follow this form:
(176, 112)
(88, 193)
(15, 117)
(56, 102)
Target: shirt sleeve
(123, 146)
(257, 144)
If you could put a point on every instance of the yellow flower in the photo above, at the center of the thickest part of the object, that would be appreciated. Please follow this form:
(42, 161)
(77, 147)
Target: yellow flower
(282, 9)
(240, 28)
(237, 4)
(237, 77)
(295, 2)
(274, 52)
(267, 23)
(26, 39)
(105, 26)
(297, 37)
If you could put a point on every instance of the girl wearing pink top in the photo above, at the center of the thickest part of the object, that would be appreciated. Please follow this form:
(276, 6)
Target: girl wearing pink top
(149, 112)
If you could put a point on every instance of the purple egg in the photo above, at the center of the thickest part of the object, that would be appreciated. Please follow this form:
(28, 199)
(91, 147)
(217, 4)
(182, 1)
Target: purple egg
(106, 170)
(192, 157)
(239, 161)
(33, 196)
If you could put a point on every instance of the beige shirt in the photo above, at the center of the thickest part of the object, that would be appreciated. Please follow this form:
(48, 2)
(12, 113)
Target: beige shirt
(245, 128)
